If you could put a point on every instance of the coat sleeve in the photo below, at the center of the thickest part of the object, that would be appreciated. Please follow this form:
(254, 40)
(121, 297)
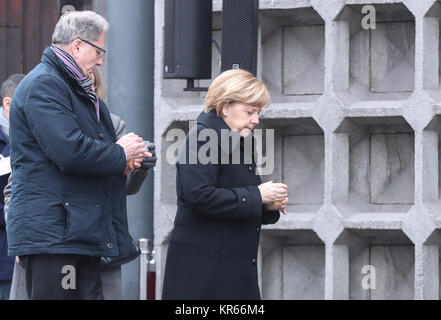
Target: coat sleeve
(7, 197)
(198, 183)
(119, 125)
(136, 178)
(53, 124)
(270, 217)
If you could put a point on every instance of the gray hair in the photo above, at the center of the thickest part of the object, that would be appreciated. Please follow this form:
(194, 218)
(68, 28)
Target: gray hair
(73, 25)
(8, 87)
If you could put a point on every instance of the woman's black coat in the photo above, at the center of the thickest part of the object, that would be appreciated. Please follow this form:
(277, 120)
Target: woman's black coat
(212, 251)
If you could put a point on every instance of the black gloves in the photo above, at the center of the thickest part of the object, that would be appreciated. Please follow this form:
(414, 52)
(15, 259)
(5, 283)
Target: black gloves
(138, 176)
(149, 163)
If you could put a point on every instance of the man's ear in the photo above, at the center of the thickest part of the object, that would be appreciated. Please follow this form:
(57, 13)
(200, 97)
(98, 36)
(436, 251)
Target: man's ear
(75, 46)
(7, 102)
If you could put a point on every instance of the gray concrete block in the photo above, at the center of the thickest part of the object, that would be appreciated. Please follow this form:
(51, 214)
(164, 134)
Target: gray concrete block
(431, 160)
(427, 260)
(432, 53)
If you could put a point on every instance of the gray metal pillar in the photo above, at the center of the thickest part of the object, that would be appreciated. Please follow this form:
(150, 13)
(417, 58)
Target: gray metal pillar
(130, 95)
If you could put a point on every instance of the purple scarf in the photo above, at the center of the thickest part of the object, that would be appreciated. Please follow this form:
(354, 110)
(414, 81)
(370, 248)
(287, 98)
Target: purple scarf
(76, 73)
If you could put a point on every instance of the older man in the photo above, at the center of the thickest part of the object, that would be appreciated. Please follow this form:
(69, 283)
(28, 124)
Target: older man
(68, 201)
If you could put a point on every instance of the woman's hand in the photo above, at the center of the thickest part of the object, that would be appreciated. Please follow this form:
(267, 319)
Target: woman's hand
(272, 192)
(277, 207)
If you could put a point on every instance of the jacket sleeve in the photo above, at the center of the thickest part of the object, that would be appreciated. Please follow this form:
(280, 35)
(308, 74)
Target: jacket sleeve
(119, 125)
(137, 177)
(7, 197)
(135, 180)
(201, 193)
(53, 124)
(270, 217)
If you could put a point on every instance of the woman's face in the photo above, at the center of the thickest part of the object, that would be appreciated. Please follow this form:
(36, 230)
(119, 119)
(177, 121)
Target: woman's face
(241, 118)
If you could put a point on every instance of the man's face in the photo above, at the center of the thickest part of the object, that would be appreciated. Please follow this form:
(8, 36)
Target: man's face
(87, 56)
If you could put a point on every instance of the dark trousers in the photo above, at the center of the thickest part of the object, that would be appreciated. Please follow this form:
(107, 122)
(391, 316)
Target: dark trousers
(62, 277)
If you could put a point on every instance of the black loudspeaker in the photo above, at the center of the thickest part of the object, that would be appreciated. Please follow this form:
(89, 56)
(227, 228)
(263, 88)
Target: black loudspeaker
(187, 39)
(240, 24)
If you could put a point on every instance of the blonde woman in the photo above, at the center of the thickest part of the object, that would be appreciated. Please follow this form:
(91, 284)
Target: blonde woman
(212, 252)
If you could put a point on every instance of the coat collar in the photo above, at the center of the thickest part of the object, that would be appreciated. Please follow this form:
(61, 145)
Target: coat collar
(50, 58)
(211, 120)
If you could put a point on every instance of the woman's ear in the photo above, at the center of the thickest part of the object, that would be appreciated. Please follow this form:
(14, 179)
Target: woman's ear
(226, 109)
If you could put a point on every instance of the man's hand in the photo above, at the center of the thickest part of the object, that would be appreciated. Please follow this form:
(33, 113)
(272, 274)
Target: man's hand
(135, 150)
(133, 145)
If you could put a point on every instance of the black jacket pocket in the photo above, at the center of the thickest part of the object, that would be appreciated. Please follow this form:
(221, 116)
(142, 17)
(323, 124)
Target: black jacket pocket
(83, 220)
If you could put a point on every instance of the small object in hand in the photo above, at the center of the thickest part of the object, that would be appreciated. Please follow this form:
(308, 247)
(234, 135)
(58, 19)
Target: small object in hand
(277, 203)
(130, 162)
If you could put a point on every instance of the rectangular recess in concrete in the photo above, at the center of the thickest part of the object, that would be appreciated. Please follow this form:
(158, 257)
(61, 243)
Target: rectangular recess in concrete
(392, 57)
(303, 272)
(391, 168)
(293, 265)
(391, 272)
(375, 64)
(292, 54)
(303, 168)
(381, 164)
(395, 272)
(303, 60)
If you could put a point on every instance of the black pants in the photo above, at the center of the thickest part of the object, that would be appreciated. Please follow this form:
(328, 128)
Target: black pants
(62, 277)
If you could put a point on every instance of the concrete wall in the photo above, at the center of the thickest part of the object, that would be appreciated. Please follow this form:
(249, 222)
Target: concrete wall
(357, 120)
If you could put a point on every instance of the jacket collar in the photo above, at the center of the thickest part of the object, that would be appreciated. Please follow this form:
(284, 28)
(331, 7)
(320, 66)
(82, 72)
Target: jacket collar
(211, 120)
(49, 58)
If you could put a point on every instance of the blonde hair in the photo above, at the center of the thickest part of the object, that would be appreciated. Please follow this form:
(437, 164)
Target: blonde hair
(98, 84)
(236, 86)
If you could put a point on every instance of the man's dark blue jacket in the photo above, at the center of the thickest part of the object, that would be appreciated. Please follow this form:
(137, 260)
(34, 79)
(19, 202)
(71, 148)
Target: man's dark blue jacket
(68, 188)
(6, 263)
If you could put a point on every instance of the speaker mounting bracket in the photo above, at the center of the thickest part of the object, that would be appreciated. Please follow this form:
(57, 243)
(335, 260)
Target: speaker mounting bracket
(192, 88)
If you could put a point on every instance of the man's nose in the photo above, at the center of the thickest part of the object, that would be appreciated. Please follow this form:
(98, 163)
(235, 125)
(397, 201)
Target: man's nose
(100, 61)
(255, 120)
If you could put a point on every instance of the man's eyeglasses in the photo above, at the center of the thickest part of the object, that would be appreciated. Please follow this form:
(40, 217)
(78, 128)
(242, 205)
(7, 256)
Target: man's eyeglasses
(102, 51)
